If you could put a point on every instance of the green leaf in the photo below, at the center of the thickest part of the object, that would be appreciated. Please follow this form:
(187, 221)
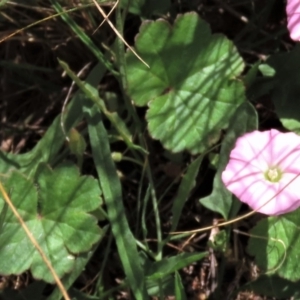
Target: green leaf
(169, 265)
(46, 149)
(221, 200)
(219, 242)
(275, 244)
(2, 2)
(55, 211)
(190, 86)
(50, 144)
(273, 286)
(159, 275)
(251, 75)
(286, 87)
(112, 194)
(267, 70)
(179, 289)
(186, 185)
(91, 92)
(2, 215)
(160, 287)
(77, 145)
(79, 267)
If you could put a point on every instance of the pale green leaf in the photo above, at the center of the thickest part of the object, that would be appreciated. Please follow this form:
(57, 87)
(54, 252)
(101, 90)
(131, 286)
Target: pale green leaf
(275, 244)
(190, 87)
(55, 210)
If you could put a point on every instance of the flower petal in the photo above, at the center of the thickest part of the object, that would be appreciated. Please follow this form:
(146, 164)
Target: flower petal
(293, 18)
(238, 170)
(253, 155)
(260, 196)
(284, 149)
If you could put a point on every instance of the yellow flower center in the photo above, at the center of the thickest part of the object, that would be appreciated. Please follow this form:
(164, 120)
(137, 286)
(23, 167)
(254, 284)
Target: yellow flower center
(273, 174)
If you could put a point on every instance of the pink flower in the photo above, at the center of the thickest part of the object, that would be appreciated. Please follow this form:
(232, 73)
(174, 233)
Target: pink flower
(293, 17)
(263, 171)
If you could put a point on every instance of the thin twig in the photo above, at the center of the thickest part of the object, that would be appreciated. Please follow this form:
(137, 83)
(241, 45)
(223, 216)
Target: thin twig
(117, 32)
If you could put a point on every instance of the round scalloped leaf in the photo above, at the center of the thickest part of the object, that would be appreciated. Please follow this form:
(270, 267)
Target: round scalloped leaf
(275, 243)
(55, 210)
(190, 87)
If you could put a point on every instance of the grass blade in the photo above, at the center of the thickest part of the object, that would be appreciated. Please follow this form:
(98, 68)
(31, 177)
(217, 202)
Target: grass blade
(84, 37)
(112, 193)
(179, 289)
(186, 185)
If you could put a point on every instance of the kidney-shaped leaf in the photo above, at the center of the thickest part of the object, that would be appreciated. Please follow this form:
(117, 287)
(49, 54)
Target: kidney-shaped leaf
(55, 209)
(275, 243)
(190, 86)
